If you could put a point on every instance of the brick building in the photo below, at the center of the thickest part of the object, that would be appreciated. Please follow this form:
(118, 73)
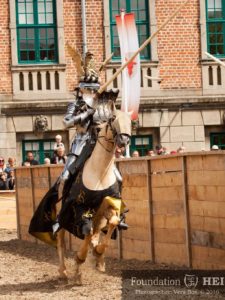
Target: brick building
(37, 75)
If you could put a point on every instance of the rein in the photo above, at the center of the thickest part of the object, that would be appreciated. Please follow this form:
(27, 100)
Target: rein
(108, 140)
(111, 141)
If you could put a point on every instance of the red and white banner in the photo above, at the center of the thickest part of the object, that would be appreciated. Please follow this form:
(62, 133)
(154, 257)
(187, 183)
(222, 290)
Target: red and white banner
(131, 78)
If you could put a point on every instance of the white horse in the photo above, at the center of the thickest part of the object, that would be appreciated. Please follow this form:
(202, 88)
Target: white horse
(98, 175)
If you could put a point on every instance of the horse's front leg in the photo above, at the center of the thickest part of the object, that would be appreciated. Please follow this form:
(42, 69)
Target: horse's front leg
(99, 250)
(80, 258)
(61, 253)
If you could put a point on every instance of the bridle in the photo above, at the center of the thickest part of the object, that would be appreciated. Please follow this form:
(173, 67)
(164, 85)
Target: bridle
(111, 141)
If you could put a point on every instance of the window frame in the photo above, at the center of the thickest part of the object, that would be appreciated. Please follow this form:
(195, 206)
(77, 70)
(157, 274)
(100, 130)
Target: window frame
(112, 23)
(41, 150)
(220, 135)
(37, 27)
(215, 21)
(142, 150)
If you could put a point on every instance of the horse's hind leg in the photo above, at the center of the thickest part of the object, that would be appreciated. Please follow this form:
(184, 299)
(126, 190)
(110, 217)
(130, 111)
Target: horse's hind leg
(80, 258)
(61, 252)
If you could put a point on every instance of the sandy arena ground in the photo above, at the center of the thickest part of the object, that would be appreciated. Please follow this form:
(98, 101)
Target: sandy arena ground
(29, 271)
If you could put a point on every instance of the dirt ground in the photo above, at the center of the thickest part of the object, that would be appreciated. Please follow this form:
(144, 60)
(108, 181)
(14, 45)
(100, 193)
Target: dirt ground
(29, 271)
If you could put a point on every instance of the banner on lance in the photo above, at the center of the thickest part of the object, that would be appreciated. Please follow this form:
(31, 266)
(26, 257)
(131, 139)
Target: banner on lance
(128, 38)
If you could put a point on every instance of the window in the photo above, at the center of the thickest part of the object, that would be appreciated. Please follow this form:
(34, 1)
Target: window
(40, 149)
(141, 11)
(215, 18)
(36, 31)
(217, 139)
(141, 143)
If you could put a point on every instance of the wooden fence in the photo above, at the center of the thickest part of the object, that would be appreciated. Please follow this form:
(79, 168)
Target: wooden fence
(176, 202)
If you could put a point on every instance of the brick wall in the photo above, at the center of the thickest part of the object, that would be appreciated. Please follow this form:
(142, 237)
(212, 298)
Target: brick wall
(5, 54)
(73, 33)
(179, 45)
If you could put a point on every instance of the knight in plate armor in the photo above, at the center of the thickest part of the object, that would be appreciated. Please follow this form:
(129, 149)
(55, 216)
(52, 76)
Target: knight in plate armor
(87, 111)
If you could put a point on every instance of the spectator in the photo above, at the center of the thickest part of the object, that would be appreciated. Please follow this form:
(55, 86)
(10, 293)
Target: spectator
(3, 181)
(181, 149)
(11, 180)
(119, 152)
(165, 151)
(30, 159)
(58, 142)
(215, 147)
(173, 152)
(150, 153)
(159, 149)
(10, 165)
(135, 154)
(59, 158)
(2, 164)
(47, 161)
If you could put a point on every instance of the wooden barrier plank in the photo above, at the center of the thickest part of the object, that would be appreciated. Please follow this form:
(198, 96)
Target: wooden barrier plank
(135, 255)
(168, 207)
(171, 254)
(208, 255)
(134, 220)
(167, 179)
(168, 164)
(206, 178)
(25, 199)
(196, 208)
(133, 167)
(171, 236)
(194, 162)
(206, 193)
(139, 233)
(167, 193)
(54, 173)
(168, 221)
(134, 193)
(133, 180)
(197, 222)
(137, 246)
(202, 265)
(208, 239)
(212, 224)
(25, 236)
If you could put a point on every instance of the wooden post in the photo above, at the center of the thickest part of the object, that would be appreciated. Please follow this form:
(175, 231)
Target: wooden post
(17, 208)
(33, 196)
(102, 89)
(151, 225)
(186, 211)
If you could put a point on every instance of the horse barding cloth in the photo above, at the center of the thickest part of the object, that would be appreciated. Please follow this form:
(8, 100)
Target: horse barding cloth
(79, 206)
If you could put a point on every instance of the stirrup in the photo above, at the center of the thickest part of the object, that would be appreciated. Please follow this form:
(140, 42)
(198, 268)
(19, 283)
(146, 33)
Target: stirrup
(122, 225)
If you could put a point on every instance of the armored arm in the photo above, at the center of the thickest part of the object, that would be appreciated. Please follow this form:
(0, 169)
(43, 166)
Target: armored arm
(73, 116)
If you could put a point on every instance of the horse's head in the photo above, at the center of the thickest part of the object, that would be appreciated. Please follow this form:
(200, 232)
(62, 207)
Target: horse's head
(121, 126)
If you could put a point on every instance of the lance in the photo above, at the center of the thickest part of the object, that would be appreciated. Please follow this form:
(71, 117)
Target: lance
(106, 62)
(102, 89)
(215, 59)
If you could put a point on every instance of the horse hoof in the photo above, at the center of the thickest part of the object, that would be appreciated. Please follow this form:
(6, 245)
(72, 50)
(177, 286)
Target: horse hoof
(63, 275)
(100, 267)
(78, 280)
